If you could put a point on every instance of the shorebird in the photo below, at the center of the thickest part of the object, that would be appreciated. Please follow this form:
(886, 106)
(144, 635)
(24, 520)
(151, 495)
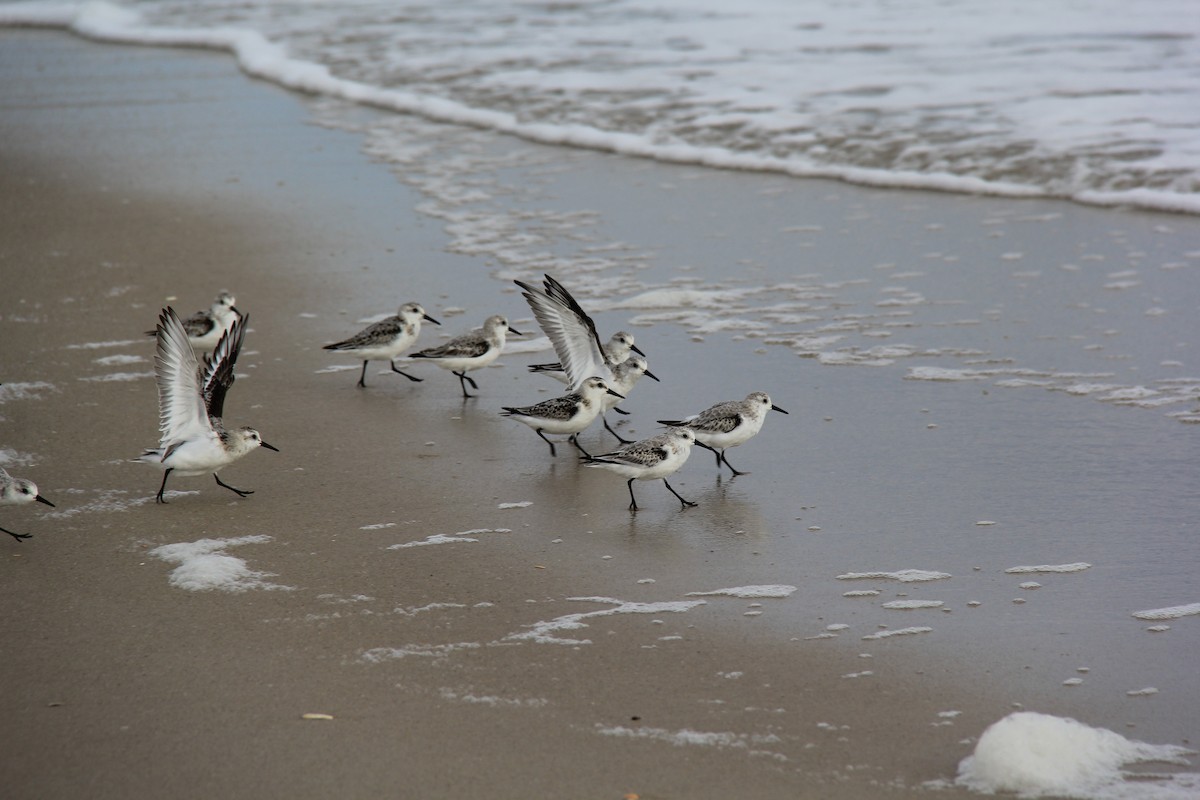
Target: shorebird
(17, 492)
(727, 424)
(205, 328)
(656, 457)
(625, 375)
(615, 350)
(469, 351)
(570, 413)
(190, 403)
(386, 339)
(573, 334)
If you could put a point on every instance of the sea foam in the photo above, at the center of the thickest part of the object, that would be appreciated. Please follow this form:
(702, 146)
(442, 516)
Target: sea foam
(1037, 755)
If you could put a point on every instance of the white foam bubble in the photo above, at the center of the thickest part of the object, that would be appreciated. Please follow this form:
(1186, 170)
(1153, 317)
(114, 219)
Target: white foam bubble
(686, 736)
(204, 566)
(771, 590)
(913, 604)
(1078, 566)
(15, 458)
(1038, 755)
(1174, 612)
(897, 632)
(545, 632)
(904, 576)
(112, 377)
(103, 345)
(943, 374)
(119, 359)
(24, 391)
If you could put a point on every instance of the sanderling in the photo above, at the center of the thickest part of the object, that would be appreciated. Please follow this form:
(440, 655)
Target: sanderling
(728, 424)
(625, 375)
(570, 413)
(15, 492)
(656, 457)
(205, 328)
(615, 350)
(473, 350)
(573, 334)
(190, 403)
(386, 339)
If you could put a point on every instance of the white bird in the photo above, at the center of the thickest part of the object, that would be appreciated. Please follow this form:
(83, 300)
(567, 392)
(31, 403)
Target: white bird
(17, 492)
(205, 328)
(386, 339)
(625, 375)
(727, 424)
(191, 400)
(469, 351)
(656, 457)
(573, 334)
(570, 413)
(616, 349)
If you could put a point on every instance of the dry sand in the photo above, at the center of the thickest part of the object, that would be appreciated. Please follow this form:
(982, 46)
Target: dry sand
(132, 176)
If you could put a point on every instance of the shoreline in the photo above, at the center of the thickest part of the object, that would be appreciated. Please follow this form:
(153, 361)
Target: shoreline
(260, 59)
(220, 201)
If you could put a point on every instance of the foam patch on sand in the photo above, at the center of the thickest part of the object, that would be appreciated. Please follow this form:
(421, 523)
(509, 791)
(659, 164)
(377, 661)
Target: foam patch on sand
(451, 538)
(1076, 567)
(904, 576)
(685, 736)
(870, 637)
(1174, 612)
(24, 391)
(545, 632)
(770, 590)
(15, 458)
(109, 500)
(1038, 755)
(204, 566)
(913, 604)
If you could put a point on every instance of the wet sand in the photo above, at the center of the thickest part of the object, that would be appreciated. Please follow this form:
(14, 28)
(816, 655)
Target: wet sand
(133, 176)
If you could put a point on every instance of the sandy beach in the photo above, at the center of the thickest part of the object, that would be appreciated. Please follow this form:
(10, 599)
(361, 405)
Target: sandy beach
(476, 618)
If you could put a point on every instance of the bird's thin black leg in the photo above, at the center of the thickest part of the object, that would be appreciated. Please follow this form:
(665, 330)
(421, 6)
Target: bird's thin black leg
(463, 380)
(726, 460)
(238, 492)
(553, 452)
(362, 379)
(686, 503)
(158, 498)
(412, 378)
(575, 441)
(714, 451)
(17, 536)
(620, 438)
(633, 506)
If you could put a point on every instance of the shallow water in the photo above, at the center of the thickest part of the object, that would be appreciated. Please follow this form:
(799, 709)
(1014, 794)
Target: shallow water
(1094, 101)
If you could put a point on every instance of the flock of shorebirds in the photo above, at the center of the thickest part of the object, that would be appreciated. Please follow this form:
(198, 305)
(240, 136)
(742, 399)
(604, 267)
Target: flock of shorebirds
(191, 392)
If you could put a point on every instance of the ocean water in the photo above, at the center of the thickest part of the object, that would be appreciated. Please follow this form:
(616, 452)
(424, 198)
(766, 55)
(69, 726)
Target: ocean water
(1093, 100)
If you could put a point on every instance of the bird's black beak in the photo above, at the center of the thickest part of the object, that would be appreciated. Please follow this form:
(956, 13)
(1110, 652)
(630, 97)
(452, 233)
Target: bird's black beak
(638, 350)
(269, 447)
(41, 499)
(514, 331)
(618, 394)
(428, 318)
(777, 408)
(234, 309)
(650, 374)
